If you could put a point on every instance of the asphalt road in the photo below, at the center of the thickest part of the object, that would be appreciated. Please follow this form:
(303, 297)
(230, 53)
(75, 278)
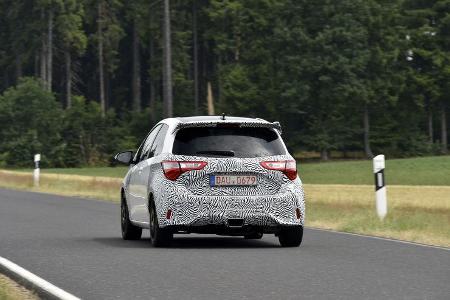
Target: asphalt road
(75, 244)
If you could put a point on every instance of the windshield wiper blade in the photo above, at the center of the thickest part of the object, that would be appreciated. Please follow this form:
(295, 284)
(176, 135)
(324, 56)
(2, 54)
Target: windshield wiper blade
(217, 152)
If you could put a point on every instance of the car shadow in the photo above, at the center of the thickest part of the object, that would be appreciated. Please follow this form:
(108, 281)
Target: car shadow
(118, 242)
(188, 242)
(219, 242)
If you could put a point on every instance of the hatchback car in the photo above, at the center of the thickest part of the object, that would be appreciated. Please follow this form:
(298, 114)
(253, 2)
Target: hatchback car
(215, 174)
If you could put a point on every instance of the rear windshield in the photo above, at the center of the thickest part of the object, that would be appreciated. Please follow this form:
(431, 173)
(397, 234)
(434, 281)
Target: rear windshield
(231, 142)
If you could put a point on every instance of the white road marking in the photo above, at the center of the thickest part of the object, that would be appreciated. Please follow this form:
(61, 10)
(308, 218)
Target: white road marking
(380, 238)
(36, 280)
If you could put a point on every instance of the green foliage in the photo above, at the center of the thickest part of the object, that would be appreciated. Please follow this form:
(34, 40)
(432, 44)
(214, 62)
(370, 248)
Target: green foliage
(315, 66)
(91, 139)
(69, 23)
(33, 120)
(78, 136)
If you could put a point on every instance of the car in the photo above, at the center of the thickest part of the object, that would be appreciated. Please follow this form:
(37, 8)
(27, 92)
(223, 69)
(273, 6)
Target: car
(212, 174)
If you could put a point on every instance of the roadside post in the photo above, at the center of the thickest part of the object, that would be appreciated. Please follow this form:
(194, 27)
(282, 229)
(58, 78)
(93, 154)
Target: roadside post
(36, 172)
(380, 185)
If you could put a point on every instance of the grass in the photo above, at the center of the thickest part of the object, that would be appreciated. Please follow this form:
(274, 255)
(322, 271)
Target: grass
(117, 172)
(415, 213)
(409, 171)
(340, 195)
(10, 290)
(106, 188)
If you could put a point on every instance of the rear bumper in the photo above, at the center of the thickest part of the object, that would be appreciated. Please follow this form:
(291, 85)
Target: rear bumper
(226, 230)
(254, 211)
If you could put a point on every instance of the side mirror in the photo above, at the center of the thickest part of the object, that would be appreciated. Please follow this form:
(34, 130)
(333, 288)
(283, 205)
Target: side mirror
(125, 157)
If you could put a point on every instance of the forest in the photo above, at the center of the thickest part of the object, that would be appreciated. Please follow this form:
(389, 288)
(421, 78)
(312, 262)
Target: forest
(83, 79)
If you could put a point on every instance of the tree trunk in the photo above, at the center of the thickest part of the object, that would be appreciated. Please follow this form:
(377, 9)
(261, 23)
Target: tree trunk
(211, 111)
(367, 148)
(195, 54)
(18, 67)
(100, 58)
(151, 47)
(36, 65)
(6, 80)
(108, 93)
(237, 37)
(167, 63)
(50, 50)
(68, 63)
(43, 65)
(324, 154)
(152, 83)
(430, 125)
(43, 54)
(203, 84)
(136, 84)
(444, 128)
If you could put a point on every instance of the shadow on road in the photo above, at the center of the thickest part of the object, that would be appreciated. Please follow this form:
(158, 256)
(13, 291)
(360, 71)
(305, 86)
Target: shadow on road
(190, 242)
(220, 242)
(118, 242)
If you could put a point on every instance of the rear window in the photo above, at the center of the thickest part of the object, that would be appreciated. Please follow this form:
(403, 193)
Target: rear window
(228, 142)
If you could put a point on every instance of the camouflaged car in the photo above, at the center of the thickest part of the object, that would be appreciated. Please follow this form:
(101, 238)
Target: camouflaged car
(213, 174)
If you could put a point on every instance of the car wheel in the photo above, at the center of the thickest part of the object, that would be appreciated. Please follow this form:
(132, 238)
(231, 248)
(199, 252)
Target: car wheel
(159, 237)
(129, 231)
(254, 236)
(291, 236)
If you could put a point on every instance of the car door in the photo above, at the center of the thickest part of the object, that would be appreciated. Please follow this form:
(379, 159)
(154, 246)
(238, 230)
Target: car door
(136, 201)
(148, 168)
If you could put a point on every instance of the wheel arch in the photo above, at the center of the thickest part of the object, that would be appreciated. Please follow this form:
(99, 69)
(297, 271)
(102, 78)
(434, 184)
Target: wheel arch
(160, 208)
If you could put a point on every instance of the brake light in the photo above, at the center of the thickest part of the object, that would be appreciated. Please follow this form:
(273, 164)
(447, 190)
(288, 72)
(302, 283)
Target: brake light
(173, 169)
(298, 213)
(288, 167)
(169, 214)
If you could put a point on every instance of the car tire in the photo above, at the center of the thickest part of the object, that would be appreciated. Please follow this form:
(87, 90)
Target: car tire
(129, 231)
(160, 237)
(291, 236)
(254, 236)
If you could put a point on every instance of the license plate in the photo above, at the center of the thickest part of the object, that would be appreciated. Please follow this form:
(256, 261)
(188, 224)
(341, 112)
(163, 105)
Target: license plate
(232, 180)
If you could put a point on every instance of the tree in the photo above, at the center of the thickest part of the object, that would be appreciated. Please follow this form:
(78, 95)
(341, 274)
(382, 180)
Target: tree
(420, 32)
(365, 75)
(195, 54)
(167, 62)
(380, 79)
(442, 19)
(108, 34)
(48, 8)
(34, 119)
(74, 40)
(136, 12)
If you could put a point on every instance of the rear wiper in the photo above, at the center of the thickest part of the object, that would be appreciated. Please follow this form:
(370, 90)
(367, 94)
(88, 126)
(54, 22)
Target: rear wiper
(217, 152)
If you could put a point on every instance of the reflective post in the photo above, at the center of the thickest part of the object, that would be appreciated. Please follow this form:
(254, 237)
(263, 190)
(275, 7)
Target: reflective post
(380, 185)
(36, 172)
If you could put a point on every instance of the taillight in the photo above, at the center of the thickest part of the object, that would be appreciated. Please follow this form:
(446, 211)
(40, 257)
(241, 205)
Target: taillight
(288, 167)
(173, 169)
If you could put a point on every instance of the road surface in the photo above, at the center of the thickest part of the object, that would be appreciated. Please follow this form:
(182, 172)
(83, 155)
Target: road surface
(76, 245)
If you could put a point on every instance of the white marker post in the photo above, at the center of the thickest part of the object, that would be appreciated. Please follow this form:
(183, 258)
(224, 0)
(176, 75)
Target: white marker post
(380, 185)
(36, 172)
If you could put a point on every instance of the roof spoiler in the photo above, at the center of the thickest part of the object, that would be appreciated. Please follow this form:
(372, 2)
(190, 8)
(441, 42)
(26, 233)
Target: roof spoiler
(275, 125)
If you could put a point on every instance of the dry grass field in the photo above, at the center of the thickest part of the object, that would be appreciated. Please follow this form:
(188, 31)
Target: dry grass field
(415, 213)
(10, 290)
(105, 188)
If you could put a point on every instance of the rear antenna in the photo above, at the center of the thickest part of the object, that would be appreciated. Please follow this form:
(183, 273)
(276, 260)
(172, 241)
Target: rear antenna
(223, 116)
